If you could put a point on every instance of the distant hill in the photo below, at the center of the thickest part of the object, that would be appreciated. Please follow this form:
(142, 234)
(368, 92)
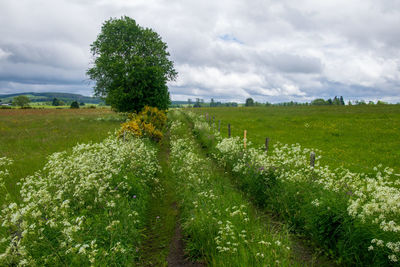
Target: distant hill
(48, 97)
(179, 102)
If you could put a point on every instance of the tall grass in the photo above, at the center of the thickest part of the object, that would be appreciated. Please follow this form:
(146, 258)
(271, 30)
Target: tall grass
(354, 216)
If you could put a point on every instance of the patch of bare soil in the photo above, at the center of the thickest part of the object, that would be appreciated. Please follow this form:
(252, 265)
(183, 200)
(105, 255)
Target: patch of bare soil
(176, 255)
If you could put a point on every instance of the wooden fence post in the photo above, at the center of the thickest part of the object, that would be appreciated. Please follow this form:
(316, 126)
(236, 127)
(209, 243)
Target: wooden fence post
(266, 144)
(229, 130)
(219, 125)
(312, 159)
(244, 139)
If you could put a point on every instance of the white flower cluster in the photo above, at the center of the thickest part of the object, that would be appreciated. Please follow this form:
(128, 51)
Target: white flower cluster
(372, 199)
(4, 162)
(81, 206)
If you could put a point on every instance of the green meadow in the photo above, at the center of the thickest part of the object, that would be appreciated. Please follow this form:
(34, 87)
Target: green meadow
(28, 136)
(356, 137)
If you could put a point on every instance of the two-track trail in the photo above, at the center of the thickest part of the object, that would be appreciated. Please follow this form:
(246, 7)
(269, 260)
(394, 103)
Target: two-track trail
(165, 240)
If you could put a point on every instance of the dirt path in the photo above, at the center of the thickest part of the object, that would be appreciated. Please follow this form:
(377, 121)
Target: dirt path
(176, 255)
(163, 240)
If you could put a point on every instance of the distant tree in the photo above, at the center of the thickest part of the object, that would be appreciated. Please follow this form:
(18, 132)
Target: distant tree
(329, 102)
(197, 104)
(189, 102)
(212, 103)
(349, 103)
(55, 102)
(249, 102)
(74, 104)
(371, 103)
(381, 103)
(131, 66)
(336, 101)
(82, 104)
(231, 104)
(318, 102)
(341, 100)
(21, 101)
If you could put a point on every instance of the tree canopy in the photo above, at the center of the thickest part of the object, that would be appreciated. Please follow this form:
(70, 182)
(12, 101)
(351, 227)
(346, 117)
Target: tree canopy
(249, 102)
(131, 66)
(21, 100)
(74, 104)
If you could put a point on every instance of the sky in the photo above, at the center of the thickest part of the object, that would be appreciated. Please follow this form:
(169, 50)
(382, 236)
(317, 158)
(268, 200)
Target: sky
(271, 51)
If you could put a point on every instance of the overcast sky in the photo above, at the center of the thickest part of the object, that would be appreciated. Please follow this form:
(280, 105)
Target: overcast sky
(229, 50)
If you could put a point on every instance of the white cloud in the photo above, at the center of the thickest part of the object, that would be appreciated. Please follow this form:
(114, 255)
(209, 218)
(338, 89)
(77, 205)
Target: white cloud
(4, 54)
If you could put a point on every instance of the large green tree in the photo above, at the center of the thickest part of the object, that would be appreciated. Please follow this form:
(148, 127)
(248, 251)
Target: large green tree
(131, 66)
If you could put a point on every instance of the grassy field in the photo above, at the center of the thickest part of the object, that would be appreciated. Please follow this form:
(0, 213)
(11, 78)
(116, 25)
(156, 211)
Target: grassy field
(356, 137)
(29, 136)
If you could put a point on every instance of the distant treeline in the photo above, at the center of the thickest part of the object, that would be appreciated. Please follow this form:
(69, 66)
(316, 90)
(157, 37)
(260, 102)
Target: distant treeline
(336, 101)
(200, 103)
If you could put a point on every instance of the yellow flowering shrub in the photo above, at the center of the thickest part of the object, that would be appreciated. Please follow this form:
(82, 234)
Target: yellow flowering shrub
(149, 122)
(154, 116)
(130, 127)
(151, 132)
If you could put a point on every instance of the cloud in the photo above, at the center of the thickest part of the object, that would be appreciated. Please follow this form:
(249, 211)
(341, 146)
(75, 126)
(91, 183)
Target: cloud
(226, 50)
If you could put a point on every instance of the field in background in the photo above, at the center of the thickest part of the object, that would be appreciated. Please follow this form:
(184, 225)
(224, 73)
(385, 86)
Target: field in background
(28, 136)
(356, 137)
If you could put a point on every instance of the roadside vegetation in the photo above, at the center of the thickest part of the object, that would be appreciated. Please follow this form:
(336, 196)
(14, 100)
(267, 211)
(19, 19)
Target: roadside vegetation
(353, 216)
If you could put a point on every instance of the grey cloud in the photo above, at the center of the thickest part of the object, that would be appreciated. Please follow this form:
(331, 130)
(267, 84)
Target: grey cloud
(16, 87)
(60, 55)
(293, 63)
(39, 74)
